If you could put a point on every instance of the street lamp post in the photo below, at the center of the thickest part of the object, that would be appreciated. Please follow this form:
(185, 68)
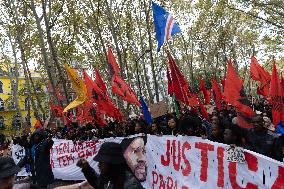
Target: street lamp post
(137, 71)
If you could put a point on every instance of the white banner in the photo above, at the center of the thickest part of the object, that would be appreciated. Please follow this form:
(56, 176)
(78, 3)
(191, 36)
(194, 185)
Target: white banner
(65, 154)
(176, 163)
(191, 162)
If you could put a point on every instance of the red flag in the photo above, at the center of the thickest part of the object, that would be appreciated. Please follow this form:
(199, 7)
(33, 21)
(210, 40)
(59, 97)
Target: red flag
(204, 91)
(57, 110)
(258, 73)
(38, 125)
(113, 66)
(122, 89)
(170, 85)
(178, 81)
(235, 95)
(223, 83)
(68, 119)
(203, 110)
(103, 101)
(275, 94)
(217, 94)
(99, 81)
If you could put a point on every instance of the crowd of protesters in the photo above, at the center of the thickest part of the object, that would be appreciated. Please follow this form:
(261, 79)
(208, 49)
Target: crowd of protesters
(222, 126)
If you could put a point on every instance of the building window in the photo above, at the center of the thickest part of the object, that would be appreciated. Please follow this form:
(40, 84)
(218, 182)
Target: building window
(1, 87)
(2, 108)
(2, 125)
(16, 122)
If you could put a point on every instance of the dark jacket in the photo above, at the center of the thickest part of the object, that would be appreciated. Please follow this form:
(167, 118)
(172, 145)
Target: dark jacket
(262, 142)
(95, 180)
(40, 166)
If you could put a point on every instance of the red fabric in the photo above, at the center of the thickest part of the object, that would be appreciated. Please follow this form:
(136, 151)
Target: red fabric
(99, 81)
(204, 91)
(68, 119)
(102, 100)
(235, 95)
(38, 125)
(258, 73)
(275, 94)
(57, 110)
(217, 94)
(178, 81)
(122, 89)
(113, 66)
(80, 114)
(223, 83)
(170, 85)
(203, 110)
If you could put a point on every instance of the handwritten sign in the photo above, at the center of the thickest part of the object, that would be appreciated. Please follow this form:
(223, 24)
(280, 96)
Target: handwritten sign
(158, 109)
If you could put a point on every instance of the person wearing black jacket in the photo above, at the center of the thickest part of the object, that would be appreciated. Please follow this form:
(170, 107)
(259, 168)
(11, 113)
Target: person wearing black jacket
(38, 157)
(260, 140)
(113, 169)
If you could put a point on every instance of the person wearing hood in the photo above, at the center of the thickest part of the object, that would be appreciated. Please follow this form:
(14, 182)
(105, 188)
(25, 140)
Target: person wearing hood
(38, 156)
(113, 169)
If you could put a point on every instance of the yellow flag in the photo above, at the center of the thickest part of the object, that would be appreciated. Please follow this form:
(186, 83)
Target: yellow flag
(79, 87)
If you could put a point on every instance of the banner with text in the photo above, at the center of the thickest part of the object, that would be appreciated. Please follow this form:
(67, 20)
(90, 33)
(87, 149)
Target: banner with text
(170, 162)
(191, 162)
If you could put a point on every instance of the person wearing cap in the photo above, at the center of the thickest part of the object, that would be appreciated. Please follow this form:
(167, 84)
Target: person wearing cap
(8, 172)
(113, 169)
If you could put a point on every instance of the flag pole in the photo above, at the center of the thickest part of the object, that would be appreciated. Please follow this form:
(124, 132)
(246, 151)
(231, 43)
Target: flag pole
(137, 71)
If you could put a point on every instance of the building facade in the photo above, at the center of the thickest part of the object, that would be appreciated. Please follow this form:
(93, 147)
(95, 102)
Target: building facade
(10, 121)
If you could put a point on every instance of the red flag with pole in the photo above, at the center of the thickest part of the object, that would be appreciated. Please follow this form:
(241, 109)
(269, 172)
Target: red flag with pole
(178, 81)
(258, 73)
(113, 66)
(204, 91)
(170, 85)
(99, 81)
(235, 95)
(275, 94)
(103, 101)
(217, 94)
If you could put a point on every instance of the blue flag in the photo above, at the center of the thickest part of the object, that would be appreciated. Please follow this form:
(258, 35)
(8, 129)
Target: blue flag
(165, 25)
(145, 111)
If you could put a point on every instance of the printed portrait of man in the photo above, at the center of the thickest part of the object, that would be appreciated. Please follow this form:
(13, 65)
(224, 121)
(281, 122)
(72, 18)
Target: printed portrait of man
(134, 153)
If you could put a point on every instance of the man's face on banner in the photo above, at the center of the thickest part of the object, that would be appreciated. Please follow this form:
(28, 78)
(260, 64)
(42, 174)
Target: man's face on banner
(135, 156)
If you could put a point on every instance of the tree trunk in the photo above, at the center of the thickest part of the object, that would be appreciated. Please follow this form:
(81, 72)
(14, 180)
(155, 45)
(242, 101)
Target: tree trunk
(115, 38)
(43, 49)
(15, 88)
(53, 51)
(147, 12)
